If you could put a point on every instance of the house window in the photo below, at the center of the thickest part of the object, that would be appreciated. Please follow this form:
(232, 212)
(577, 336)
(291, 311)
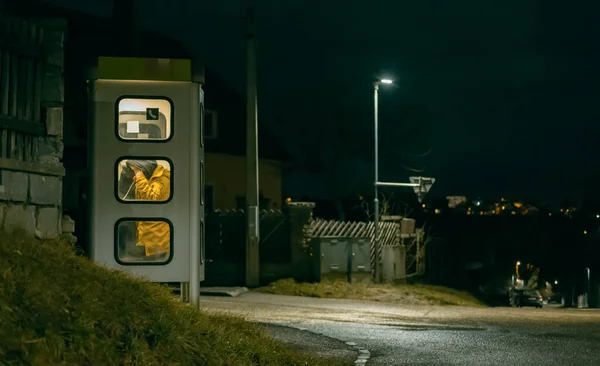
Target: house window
(210, 124)
(143, 241)
(145, 118)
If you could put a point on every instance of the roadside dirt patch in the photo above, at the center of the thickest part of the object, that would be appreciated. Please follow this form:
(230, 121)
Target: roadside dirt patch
(396, 294)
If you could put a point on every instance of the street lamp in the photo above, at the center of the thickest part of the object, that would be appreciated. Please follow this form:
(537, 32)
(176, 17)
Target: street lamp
(376, 199)
(588, 287)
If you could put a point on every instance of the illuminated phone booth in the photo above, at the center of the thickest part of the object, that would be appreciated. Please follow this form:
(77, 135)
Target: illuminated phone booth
(146, 166)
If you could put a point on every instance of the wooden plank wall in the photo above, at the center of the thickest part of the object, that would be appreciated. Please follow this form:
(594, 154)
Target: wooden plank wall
(22, 63)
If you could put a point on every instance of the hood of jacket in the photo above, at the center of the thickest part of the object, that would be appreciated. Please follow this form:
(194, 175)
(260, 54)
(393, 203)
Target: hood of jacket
(146, 166)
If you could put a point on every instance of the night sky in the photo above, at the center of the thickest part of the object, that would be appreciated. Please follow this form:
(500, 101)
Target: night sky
(504, 96)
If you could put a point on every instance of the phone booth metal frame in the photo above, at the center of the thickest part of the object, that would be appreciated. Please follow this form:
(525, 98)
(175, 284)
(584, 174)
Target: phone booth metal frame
(146, 116)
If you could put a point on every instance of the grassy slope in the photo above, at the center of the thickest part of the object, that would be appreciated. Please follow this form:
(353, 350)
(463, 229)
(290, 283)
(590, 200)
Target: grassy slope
(59, 308)
(399, 294)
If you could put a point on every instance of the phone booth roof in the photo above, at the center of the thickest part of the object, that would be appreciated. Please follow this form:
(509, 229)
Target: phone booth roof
(146, 69)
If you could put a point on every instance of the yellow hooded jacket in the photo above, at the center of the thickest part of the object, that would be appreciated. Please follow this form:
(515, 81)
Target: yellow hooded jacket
(153, 235)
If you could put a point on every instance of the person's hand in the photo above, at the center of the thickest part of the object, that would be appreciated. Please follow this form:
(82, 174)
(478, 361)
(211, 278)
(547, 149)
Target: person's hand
(138, 173)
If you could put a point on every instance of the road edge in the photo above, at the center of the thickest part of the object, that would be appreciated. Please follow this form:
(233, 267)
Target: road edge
(363, 353)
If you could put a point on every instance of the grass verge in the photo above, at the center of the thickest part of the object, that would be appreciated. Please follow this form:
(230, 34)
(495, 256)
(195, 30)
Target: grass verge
(398, 294)
(59, 308)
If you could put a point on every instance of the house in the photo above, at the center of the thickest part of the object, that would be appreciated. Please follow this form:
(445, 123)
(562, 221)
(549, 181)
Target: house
(225, 151)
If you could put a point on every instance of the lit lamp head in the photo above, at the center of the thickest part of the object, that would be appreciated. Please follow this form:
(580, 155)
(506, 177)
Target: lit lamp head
(384, 81)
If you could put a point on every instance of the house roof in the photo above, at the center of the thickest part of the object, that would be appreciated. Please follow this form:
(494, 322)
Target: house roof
(231, 110)
(101, 35)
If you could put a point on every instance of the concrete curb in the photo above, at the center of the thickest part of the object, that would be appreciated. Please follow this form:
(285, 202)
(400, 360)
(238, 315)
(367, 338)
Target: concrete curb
(223, 291)
(363, 354)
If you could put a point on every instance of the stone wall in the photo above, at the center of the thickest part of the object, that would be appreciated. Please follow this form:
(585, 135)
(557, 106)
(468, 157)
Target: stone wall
(31, 202)
(31, 131)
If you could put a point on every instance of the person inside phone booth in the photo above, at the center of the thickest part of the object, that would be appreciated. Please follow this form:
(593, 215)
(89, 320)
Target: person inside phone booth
(152, 183)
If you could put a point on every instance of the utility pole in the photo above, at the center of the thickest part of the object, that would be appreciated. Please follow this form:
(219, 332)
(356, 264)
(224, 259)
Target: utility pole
(252, 209)
(127, 13)
(418, 232)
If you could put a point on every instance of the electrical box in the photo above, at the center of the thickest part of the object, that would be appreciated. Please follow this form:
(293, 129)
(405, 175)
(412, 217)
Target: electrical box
(335, 255)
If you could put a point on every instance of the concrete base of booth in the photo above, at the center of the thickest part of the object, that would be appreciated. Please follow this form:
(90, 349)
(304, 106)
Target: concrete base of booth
(223, 291)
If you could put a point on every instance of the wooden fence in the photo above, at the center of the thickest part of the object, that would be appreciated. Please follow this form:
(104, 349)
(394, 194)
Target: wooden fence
(389, 233)
(23, 59)
(226, 236)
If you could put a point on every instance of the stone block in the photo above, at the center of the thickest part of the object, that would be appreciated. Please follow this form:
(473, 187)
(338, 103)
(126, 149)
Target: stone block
(54, 41)
(14, 186)
(54, 35)
(45, 190)
(56, 58)
(54, 121)
(19, 217)
(53, 89)
(68, 225)
(49, 160)
(69, 238)
(2, 214)
(47, 226)
(50, 147)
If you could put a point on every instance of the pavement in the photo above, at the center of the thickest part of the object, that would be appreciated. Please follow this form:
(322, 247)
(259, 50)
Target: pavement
(223, 291)
(430, 335)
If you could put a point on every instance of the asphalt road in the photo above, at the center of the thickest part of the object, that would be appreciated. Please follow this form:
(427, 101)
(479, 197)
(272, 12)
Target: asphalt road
(315, 344)
(433, 335)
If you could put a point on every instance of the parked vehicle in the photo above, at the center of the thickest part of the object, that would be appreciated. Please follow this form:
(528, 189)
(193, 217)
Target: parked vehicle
(528, 298)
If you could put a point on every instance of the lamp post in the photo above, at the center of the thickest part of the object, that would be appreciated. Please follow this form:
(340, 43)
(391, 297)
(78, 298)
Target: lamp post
(589, 287)
(252, 181)
(376, 199)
